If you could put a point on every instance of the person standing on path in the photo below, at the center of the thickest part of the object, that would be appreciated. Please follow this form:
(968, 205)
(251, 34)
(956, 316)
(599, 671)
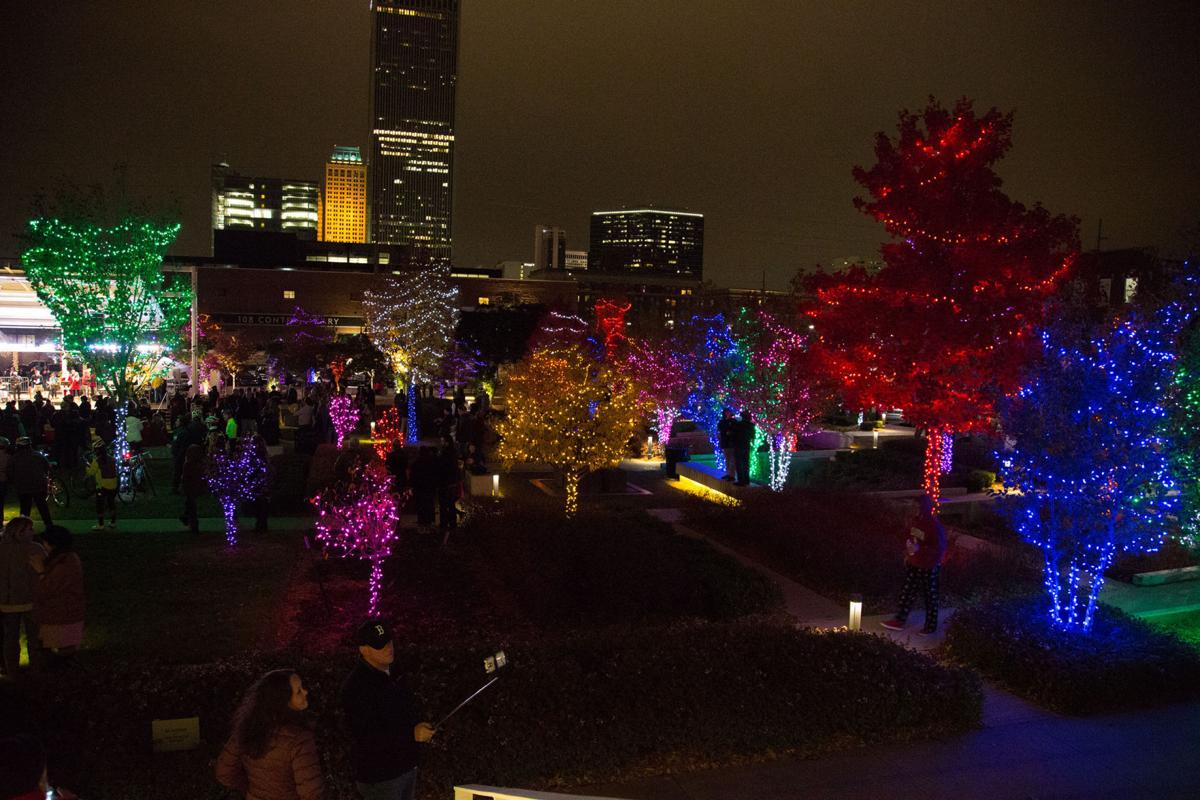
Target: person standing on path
(103, 472)
(193, 485)
(926, 547)
(272, 752)
(726, 438)
(30, 473)
(18, 552)
(381, 713)
(744, 429)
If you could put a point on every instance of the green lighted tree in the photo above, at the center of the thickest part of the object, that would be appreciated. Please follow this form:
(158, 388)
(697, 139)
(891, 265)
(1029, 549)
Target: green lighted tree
(1185, 436)
(105, 286)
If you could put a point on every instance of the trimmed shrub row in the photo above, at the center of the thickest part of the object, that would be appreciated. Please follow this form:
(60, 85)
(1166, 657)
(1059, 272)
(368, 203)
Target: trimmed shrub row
(1122, 664)
(585, 708)
(842, 544)
(613, 567)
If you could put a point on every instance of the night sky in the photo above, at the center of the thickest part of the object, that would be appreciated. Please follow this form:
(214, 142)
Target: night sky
(751, 112)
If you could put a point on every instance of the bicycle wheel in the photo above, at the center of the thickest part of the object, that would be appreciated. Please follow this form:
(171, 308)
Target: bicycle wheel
(59, 495)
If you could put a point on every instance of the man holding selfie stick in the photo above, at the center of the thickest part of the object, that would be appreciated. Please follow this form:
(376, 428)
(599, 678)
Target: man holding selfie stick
(382, 716)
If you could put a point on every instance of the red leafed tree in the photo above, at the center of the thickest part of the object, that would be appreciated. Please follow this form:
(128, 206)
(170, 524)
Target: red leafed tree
(610, 320)
(944, 329)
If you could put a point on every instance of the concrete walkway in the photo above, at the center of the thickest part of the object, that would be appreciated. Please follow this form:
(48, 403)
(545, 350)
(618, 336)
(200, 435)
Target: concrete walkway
(1020, 752)
(1143, 755)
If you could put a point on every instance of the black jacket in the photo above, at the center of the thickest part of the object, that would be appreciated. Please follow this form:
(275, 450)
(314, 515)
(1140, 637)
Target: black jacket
(381, 713)
(725, 432)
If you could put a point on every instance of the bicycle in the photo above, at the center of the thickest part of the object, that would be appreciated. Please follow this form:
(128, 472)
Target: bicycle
(56, 484)
(139, 478)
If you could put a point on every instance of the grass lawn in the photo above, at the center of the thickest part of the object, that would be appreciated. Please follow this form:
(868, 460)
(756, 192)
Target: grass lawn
(1186, 626)
(183, 598)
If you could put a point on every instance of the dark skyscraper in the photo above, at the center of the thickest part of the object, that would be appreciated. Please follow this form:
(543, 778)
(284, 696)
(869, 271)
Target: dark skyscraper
(647, 240)
(414, 62)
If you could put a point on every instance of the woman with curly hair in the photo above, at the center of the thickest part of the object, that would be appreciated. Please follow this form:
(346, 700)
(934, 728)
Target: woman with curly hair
(272, 752)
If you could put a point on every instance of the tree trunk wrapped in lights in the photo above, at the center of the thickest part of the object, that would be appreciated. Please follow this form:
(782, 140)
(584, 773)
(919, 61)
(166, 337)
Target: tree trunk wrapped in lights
(663, 380)
(411, 318)
(1091, 456)
(358, 519)
(568, 410)
(711, 360)
(343, 413)
(105, 286)
(772, 385)
(944, 329)
(235, 476)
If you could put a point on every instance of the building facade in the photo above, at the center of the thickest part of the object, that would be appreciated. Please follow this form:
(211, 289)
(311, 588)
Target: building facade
(647, 241)
(549, 247)
(414, 62)
(344, 195)
(241, 202)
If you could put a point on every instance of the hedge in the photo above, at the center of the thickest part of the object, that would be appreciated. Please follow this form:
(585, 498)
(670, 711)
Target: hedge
(896, 465)
(613, 567)
(1122, 664)
(842, 544)
(571, 711)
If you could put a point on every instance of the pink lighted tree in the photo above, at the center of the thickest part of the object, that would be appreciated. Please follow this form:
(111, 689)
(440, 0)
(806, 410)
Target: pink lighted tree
(357, 519)
(344, 416)
(663, 381)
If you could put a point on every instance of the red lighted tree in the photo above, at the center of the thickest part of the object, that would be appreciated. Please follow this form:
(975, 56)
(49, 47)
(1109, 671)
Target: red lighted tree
(944, 329)
(610, 321)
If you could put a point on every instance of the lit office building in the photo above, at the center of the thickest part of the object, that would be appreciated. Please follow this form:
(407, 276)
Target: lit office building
(344, 196)
(247, 203)
(647, 241)
(414, 60)
(549, 247)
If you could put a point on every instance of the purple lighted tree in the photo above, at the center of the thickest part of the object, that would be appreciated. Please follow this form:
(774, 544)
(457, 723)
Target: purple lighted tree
(344, 416)
(358, 520)
(234, 477)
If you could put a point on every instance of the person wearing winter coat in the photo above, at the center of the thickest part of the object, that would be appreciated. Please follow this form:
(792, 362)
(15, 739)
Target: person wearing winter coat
(103, 472)
(193, 485)
(272, 752)
(423, 479)
(5, 462)
(17, 583)
(58, 600)
(30, 472)
(926, 548)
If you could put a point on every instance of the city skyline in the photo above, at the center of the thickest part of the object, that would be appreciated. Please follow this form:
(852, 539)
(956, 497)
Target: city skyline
(751, 115)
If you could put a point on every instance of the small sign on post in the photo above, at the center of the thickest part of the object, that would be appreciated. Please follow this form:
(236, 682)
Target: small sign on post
(170, 735)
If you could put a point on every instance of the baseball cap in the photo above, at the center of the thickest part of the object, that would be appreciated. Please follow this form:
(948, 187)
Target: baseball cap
(373, 633)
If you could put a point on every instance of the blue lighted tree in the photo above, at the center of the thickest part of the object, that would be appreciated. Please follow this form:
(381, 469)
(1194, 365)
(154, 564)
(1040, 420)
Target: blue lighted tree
(711, 357)
(1091, 458)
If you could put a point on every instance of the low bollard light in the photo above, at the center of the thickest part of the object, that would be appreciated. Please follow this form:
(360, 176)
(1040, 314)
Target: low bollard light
(495, 486)
(855, 623)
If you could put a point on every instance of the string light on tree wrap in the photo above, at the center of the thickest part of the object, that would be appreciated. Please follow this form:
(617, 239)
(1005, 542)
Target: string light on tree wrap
(955, 308)
(343, 413)
(236, 476)
(663, 382)
(610, 320)
(388, 431)
(1091, 457)
(570, 411)
(711, 359)
(303, 346)
(105, 287)
(1185, 435)
(771, 386)
(358, 520)
(411, 318)
(337, 368)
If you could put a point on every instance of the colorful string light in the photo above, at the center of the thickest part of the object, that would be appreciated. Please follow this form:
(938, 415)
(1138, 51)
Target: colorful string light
(568, 410)
(1091, 457)
(358, 519)
(411, 318)
(947, 326)
(343, 413)
(236, 476)
(117, 310)
(388, 431)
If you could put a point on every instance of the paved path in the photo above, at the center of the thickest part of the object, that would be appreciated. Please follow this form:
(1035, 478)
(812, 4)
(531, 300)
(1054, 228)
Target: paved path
(1144, 755)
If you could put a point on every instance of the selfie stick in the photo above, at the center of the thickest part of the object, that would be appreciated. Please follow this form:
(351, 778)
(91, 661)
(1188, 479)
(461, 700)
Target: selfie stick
(464, 702)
